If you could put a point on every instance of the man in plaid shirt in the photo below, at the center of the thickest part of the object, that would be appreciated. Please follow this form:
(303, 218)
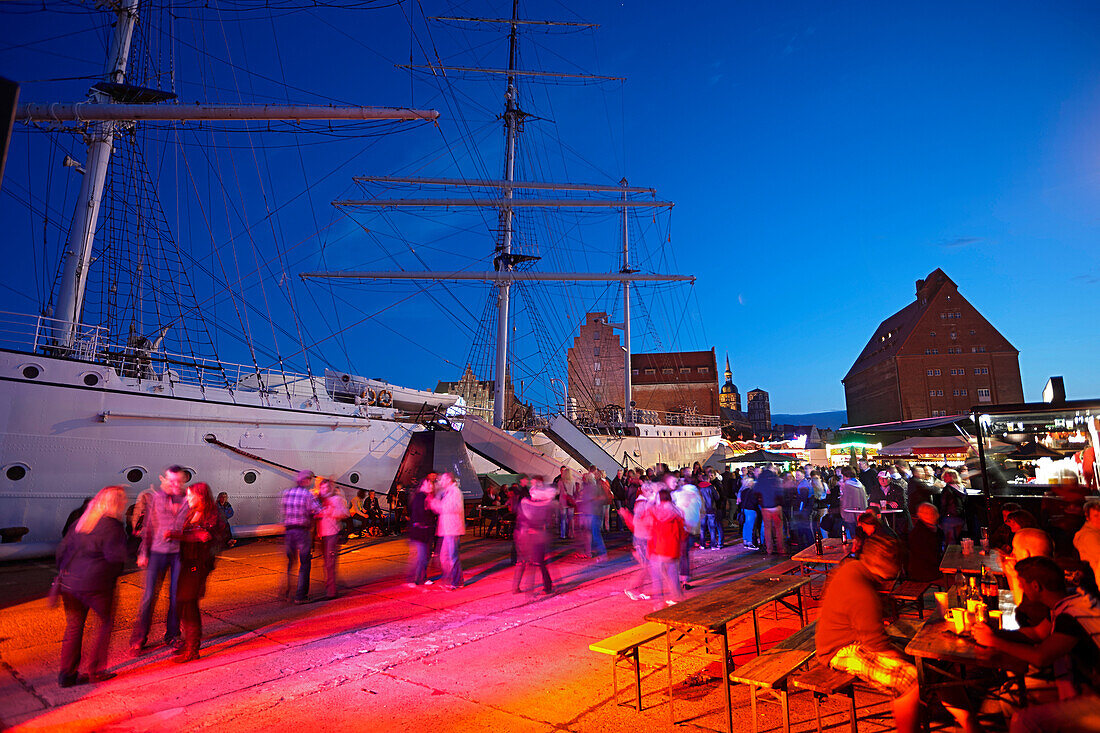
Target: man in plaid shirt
(300, 506)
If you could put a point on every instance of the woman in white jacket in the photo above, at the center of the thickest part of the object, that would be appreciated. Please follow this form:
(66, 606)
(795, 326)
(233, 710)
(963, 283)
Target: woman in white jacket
(447, 503)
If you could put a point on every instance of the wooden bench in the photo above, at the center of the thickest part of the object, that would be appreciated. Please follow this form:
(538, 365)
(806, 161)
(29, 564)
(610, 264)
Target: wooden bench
(624, 647)
(787, 567)
(824, 681)
(909, 592)
(770, 670)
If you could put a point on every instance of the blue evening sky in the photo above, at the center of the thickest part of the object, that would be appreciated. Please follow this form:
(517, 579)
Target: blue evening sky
(822, 157)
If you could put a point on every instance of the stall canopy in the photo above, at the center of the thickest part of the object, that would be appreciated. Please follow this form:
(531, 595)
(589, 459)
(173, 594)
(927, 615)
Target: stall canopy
(761, 456)
(927, 446)
(501, 478)
(1032, 451)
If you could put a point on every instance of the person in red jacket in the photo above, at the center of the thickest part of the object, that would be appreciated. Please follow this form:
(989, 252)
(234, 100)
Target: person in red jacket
(666, 537)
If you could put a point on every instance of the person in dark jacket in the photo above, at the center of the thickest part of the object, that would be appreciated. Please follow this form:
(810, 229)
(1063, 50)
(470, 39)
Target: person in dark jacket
(90, 559)
(532, 535)
(421, 534)
(202, 532)
(926, 545)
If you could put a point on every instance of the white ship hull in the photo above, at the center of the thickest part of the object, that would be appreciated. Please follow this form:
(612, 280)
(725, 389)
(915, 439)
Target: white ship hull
(62, 439)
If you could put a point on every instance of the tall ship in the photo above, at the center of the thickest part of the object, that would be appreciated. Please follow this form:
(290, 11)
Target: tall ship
(163, 267)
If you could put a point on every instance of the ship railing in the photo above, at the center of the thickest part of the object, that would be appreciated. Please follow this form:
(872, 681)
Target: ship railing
(612, 417)
(36, 334)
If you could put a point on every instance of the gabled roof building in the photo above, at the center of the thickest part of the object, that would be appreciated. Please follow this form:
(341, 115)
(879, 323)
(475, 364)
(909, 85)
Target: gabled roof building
(935, 357)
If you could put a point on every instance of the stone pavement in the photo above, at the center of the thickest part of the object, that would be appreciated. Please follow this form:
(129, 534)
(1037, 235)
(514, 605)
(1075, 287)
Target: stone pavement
(382, 655)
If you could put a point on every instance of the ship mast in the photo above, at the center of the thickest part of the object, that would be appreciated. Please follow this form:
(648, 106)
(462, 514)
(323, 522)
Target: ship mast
(106, 118)
(78, 250)
(504, 258)
(504, 200)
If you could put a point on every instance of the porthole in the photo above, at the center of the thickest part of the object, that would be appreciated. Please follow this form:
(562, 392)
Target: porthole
(250, 477)
(135, 474)
(16, 472)
(91, 379)
(31, 372)
(354, 478)
(345, 378)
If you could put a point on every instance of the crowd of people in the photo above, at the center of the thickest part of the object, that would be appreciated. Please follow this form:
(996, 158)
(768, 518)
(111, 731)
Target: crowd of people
(898, 519)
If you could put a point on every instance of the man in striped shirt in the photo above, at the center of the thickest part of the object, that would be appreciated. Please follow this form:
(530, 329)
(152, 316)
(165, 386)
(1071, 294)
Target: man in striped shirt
(300, 507)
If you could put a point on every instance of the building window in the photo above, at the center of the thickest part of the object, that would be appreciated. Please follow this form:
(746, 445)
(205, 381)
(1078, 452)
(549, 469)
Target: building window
(666, 371)
(983, 395)
(932, 334)
(931, 393)
(963, 392)
(685, 370)
(935, 372)
(939, 413)
(597, 381)
(634, 372)
(596, 366)
(985, 370)
(954, 335)
(929, 372)
(704, 370)
(943, 315)
(981, 349)
(650, 371)
(939, 393)
(595, 351)
(955, 393)
(935, 351)
(972, 332)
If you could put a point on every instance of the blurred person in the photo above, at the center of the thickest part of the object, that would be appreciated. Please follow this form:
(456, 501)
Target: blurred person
(422, 525)
(89, 559)
(226, 510)
(851, 636)
(1087, 539)
(925, 545)
(853, 500)
(300, 508)
(952, 507)
(917, 490)
(770, 492)
(75, 515)
(710, 527)
(447, 503)
(594, 497)
(334, 509)
(640, 522)
(666, 540)
(566, 503)
(359, 519)
(159, 555)
(201, 532)
(1028, 542)
(1074, 640)
(685, 496)
(533, 518)
(1001, 538)
(1020, 519)
(749, 502)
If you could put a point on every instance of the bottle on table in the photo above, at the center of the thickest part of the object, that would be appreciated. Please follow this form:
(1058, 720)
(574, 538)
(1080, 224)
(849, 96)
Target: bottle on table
(819, 543)
(990, 589)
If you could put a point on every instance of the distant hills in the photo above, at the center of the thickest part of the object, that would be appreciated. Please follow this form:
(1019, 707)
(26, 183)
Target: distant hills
(833, 419)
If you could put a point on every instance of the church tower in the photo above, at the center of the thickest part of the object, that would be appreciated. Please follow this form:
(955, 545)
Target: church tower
(729, 397)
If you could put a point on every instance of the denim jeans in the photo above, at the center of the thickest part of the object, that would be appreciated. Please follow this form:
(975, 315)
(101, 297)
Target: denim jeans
(419, 552)
(748, 529)
(330, 545)
(76, 613)
(565, 522)
(299, 542)
(663, 572)
(160, 563)
(712, 530)
(449, 559)
(597, 548)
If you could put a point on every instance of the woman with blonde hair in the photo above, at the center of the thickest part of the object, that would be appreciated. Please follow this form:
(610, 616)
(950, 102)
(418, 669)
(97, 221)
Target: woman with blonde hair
(90, 559)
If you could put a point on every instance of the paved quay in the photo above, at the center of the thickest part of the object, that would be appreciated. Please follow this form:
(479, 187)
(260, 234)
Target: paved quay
(383, 655)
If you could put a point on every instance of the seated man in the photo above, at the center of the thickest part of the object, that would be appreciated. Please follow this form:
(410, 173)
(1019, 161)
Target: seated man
(926, 545)
(1030, 614)
(1001, 538)
(1087, 539)
(868, 524)
(358, 520)
(851, 636)
(1074, 637)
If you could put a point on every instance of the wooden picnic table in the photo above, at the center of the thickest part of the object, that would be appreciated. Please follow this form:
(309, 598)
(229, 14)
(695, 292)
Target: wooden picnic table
(711, 612)
(935, 647)
(954, 559)
(835, 551)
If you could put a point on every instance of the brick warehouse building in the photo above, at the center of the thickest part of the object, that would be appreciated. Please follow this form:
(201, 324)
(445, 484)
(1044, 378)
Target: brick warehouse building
(936, 356)
(682, 381)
